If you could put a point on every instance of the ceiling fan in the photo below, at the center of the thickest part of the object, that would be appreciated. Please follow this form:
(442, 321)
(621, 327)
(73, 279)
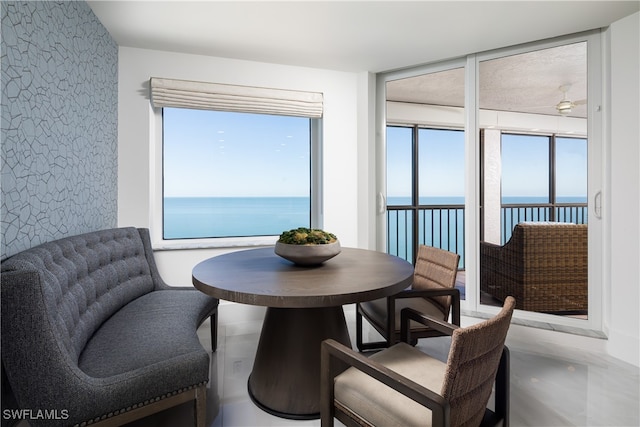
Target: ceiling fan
(565, 106)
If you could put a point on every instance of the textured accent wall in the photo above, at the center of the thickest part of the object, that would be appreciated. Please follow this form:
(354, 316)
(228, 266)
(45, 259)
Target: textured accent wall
(59, 123)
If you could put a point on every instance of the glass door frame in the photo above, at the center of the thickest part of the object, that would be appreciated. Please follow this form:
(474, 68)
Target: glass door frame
(597, 161)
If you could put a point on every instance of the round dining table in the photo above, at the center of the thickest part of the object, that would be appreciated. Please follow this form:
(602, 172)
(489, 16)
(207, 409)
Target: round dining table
(304, 307)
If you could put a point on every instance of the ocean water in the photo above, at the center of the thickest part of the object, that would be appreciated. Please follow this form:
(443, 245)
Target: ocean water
(202, 217)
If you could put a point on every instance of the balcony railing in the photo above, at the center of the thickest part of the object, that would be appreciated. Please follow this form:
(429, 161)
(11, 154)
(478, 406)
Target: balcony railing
(443, 226)
(511, 214)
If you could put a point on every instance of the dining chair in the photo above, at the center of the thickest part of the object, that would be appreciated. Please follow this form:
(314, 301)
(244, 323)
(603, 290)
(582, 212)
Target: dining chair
(432, 293)
(403, 386)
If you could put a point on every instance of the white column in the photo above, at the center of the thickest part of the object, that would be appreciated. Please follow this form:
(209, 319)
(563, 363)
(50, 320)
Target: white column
(491, 185)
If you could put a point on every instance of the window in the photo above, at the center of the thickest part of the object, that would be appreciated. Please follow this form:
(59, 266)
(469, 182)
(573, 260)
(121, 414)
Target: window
(571, 170)
(525, 169)
(544, 178)
(229, 174)
(234, 165)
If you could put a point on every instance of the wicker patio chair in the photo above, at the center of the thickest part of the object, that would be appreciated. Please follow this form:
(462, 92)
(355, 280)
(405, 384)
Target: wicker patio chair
(543, 265)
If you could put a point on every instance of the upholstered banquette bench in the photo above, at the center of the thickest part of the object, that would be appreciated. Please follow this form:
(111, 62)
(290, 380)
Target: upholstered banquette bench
(91, 335)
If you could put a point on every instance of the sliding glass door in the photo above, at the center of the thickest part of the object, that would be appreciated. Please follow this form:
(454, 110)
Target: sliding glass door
(474, 147)
(425, 164)
(534, 222)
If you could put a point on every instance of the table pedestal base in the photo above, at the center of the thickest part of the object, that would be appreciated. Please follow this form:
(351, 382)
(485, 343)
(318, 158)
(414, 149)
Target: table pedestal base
(285, 380)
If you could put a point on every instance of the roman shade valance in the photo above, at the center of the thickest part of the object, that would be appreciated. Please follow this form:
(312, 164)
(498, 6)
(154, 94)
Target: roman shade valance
(224, 97)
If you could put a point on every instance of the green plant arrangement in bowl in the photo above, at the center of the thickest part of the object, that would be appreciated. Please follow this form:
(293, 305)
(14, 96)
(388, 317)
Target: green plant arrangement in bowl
(307, 246)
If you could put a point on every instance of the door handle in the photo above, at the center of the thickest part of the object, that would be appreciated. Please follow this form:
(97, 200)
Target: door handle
(597, 205)
(382, 204)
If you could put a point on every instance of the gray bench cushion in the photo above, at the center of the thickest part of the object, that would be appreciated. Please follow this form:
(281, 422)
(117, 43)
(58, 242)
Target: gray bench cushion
(151, 329)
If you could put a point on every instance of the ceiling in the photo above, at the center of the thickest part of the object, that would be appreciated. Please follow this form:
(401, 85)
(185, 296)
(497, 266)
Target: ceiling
(371, 36)
(533, 82)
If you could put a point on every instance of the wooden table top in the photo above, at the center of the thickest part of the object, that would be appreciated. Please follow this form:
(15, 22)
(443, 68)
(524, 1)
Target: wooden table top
(260, 277)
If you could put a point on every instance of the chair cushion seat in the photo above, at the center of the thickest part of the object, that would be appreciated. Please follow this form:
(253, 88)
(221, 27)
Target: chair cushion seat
(379, 404)
(376, 311)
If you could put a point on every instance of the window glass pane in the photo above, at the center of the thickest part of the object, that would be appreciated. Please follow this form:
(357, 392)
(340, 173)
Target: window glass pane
(571, 170)
(441, 166)
(441, 188)
(399, 165)
(234, 174)
(525, 169)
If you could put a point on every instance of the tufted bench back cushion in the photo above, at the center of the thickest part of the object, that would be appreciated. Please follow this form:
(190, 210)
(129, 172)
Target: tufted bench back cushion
(86, 279)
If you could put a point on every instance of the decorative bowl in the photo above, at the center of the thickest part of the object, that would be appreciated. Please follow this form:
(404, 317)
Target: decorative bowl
(307, 255)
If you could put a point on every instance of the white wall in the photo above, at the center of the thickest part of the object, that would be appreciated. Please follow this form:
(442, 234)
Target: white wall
(624, 191)
(344, 136)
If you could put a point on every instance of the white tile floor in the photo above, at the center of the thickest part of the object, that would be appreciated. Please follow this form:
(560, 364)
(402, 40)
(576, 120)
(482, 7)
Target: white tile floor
(556, 379)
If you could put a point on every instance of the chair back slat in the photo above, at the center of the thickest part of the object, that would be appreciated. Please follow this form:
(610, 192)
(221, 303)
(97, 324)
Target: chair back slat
(436, 269)
(472, 366)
